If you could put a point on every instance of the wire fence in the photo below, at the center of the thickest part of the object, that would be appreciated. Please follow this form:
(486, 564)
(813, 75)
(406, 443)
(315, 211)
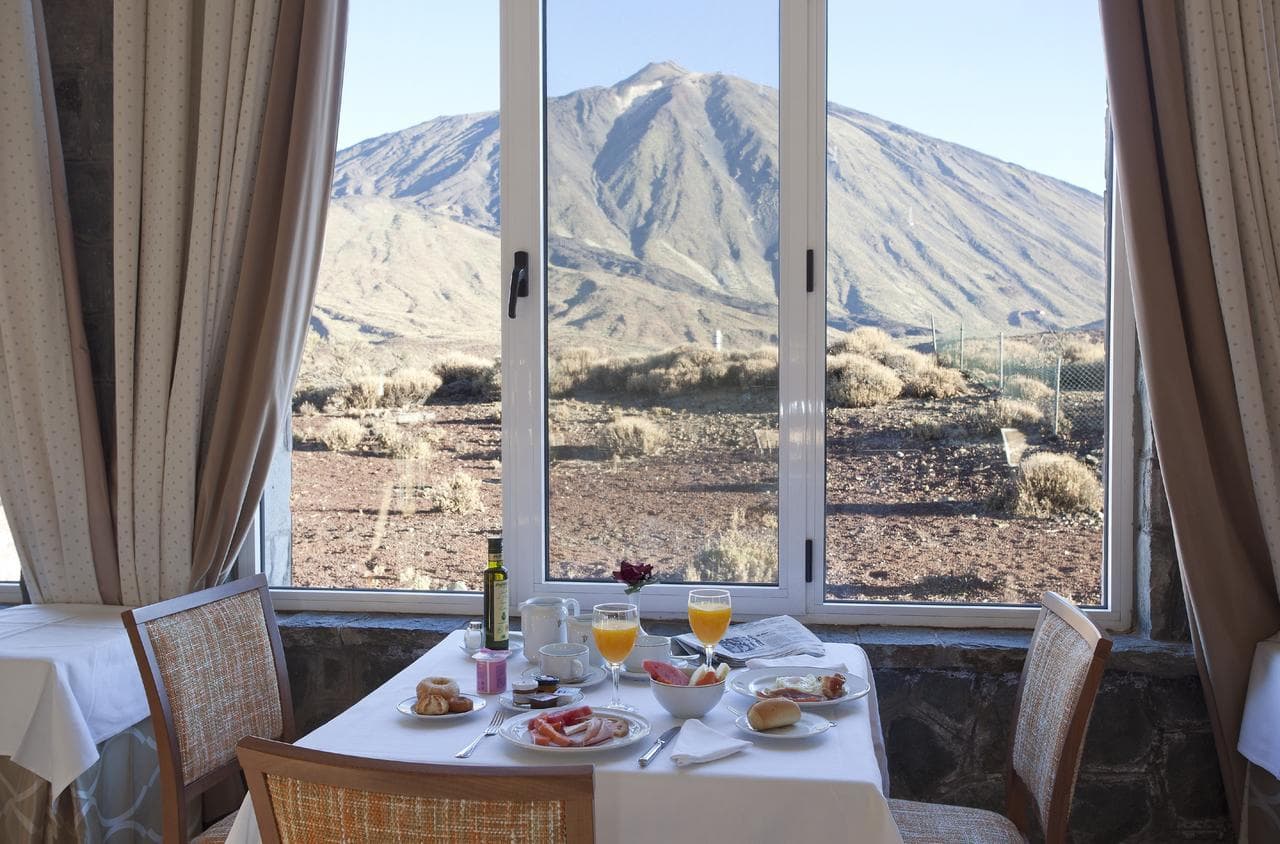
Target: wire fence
(1064, 374)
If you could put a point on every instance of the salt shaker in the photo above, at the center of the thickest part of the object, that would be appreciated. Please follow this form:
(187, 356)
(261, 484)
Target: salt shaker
(473, 637)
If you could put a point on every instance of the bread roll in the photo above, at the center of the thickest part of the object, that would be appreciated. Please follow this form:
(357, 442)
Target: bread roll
(773, 713)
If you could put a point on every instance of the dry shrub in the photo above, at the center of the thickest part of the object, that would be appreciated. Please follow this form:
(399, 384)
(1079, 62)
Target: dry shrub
(1026, 388)
(340, 434)
(402, 443)
(409, 386)
(738, 554)
(1083, 350)
(926, 430)
(466, 376)
(1051, 484)
(460, 493)
(857, 381)
(991, 416)
(570, 369)
(632, 436)
(863, 341)
(1022, 352)
(934, 382)
(364, 393)
(308, 409)
(905, 362)
(758, 368)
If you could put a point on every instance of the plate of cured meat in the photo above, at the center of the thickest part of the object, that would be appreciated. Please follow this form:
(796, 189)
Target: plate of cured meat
(576, 729)
(810, 688)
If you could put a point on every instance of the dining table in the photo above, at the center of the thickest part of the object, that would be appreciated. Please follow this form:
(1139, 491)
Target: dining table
(76, 745)
(830, 787)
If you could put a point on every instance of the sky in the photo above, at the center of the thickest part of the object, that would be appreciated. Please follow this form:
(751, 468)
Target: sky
(1022, 80)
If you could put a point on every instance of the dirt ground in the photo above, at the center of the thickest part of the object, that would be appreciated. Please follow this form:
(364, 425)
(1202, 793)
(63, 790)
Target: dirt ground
(907, 519)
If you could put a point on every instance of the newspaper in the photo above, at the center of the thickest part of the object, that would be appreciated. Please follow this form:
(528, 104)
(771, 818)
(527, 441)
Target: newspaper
(767, 638)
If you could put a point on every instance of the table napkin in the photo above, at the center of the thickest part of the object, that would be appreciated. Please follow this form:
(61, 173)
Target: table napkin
(699, 743)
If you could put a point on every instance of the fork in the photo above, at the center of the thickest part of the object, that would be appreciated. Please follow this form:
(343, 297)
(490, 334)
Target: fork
(490, 730)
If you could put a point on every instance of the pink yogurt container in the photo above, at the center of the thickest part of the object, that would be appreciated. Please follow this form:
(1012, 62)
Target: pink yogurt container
(491, 672)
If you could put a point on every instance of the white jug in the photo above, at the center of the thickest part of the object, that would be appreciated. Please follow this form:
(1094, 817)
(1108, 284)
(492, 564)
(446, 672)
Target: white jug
(542, 620)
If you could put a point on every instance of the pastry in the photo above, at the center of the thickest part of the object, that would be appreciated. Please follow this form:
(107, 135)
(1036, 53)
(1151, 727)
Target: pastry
(445, 687)
(432, 705)
(773, 713)
(461, 703)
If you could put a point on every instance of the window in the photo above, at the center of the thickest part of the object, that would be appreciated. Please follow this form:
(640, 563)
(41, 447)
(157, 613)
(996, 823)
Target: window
(10, 569)
(790, 301)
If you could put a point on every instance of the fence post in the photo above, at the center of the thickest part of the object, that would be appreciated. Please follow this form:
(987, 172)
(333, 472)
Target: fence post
(1057, 394)
(934, 331)
(961, 366)
(1002, 361)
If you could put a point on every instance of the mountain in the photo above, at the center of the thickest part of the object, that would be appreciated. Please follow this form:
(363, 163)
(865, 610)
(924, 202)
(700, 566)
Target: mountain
(662, 196)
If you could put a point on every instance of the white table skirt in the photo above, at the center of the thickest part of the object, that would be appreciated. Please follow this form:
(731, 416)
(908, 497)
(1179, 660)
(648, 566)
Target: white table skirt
(70, 682)
(827, 789)
(1260, 729)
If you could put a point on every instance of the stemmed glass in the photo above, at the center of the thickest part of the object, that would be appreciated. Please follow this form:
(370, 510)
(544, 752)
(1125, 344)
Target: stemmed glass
(614, 627)
(709, 614)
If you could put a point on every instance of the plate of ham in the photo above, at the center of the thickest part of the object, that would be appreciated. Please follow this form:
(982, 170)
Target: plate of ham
(810, 688)
(575, 729)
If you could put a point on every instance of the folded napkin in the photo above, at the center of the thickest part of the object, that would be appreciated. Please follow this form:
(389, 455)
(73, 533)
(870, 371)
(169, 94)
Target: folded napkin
(827, 663)
(699, 743)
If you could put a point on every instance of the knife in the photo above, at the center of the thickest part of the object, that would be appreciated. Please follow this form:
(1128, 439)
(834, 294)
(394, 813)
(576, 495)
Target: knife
(663, 741)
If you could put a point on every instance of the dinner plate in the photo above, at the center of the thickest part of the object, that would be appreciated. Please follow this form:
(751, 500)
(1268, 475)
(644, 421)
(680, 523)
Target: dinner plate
(747, 683)
(516, 731)
(406, 707)
(594, 675)
(808, 726)
(574, 695)
(515, 643)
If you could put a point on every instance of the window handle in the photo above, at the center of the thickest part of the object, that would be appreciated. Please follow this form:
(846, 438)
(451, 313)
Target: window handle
(519, 282)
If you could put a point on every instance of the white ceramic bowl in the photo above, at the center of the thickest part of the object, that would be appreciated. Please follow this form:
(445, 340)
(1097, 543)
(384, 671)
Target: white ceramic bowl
(687, 701)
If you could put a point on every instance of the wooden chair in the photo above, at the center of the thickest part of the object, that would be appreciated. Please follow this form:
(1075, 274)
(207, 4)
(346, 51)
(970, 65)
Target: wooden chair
(1059, 682)
(214, 672)
(303, 795)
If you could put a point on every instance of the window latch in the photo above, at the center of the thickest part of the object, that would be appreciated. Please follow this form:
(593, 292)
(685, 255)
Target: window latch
(808, 557)
(808, 271)
(519, 282)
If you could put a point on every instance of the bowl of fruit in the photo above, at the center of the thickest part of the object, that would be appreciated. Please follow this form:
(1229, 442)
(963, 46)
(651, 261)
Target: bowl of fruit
(686, 692)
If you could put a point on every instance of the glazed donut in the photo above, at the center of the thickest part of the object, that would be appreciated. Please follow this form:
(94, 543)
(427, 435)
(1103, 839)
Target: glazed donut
(442, 686)
(432, 705)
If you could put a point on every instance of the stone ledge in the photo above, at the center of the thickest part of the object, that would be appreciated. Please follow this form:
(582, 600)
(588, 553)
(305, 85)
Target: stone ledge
(985, 651)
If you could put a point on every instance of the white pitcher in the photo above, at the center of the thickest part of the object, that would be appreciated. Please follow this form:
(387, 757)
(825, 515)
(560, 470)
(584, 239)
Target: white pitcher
(542, 620)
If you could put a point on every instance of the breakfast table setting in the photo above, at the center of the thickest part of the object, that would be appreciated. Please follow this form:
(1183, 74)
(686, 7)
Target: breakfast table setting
(683, 747)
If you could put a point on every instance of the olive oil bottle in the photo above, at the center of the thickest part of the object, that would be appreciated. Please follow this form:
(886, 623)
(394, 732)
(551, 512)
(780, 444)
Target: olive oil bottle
(496, 588)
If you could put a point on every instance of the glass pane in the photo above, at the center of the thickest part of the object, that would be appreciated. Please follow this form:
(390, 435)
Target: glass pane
(662, 244)
(397, 422)
(10, 570)
(967, 301)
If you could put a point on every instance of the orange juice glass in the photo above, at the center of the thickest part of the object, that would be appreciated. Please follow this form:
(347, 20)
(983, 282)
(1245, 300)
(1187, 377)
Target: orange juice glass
(614, 627)
(709, 614)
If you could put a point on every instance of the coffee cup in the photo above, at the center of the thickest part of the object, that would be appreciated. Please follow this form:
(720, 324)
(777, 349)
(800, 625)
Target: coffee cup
(579, 627)
(566, 660)
(648, 646)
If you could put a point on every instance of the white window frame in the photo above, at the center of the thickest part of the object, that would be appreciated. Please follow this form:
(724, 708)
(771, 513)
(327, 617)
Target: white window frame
(802, 412)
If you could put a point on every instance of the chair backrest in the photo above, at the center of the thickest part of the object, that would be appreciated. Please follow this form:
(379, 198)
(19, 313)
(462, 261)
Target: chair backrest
(1059, 683)
(214, 672)
(303, 795)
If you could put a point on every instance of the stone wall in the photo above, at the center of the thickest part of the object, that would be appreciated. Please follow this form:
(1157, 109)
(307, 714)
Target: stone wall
(80, 55)
(946, 701)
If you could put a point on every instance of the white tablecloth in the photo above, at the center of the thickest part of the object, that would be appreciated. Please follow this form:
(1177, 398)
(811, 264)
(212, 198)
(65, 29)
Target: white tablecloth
(1260, 729)
(68, 681)
(826, 789)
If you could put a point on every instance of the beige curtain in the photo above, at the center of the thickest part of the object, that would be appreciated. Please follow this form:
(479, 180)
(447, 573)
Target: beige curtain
(52, 474)
(225, 121)
(1193, 103)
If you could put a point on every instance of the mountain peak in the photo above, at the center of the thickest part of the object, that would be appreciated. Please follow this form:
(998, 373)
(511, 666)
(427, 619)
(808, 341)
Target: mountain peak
(655, 72)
